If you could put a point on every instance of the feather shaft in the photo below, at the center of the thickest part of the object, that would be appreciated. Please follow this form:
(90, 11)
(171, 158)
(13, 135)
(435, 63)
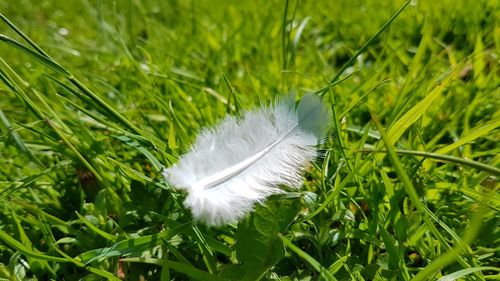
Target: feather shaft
(228, 173)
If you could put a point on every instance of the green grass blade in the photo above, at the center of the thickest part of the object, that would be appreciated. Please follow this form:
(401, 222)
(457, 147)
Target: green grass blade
(472, 135)
(7, 239)
(29, 180)
(410, 189)
(464, 272)
(36, 56)
(95, 229)
(97, 271)
(47, 61)
(192, 271)
(24, 36)
(353, 58)
(445, 158)
(325, 274)
(412, 115)
(19, 141)
(132, 245)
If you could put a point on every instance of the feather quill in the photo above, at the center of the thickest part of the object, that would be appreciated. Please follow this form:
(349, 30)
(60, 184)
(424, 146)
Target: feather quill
(242, 161)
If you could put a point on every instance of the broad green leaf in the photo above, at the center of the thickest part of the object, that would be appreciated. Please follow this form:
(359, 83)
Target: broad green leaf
(192, 271)
(325, 274)
(258, 247)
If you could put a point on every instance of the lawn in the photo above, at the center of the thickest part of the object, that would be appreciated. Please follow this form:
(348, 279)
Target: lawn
(98, 97)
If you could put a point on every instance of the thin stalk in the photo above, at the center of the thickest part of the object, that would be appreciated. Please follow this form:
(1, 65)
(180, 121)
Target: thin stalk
(445, 158)
(321, 92)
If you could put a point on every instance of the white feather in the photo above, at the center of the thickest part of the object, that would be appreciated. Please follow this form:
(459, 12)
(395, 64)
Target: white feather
(242, 161)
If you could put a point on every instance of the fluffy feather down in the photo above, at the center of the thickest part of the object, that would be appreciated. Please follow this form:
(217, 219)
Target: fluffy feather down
(242, 161)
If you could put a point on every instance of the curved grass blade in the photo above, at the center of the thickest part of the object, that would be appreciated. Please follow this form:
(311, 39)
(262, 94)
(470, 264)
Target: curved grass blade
(467, 271)
(27, 181)
(321, 92)
(132, 245)
(95, 229)
(472, 135)
(34, 55)
(19, 141)
(325, 274)
(9, 240)
(445, 158)
(192, 271)
(395, 131)
(187, 269)
(24, 36)
(49, 62)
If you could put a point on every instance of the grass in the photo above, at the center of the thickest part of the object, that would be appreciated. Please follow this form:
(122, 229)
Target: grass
(97, 97)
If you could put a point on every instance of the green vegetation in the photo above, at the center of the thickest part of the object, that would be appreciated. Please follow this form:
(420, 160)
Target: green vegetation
(97, 96)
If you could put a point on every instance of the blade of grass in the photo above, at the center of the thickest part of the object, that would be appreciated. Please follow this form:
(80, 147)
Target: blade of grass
(192, 271)
(411, 191)
(58, 129)
(29, 180)
(132, 245)
(472, 135)
(134, 144)
(24, 36)
(97, 271)
(24, 88)
(338, 138)
(208, 256)
(36, 56)
(321, 92)
(461, 273)
(411, 116)
(35, 254)
(325, 274)
(445, 158)
(361, 98)
(18, 246)
(19, 141)
(333, 195)
(95, 229)
(165, 271)
(284, 38)
(49, 62)
(35, 210)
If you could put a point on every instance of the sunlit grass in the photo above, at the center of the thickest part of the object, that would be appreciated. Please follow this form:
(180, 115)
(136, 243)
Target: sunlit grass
(97, 97)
